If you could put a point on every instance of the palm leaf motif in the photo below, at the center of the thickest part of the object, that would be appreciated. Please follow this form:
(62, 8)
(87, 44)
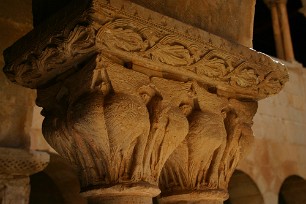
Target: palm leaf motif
(246, 78)
(176, 55)
(123, 39)
(214, 67)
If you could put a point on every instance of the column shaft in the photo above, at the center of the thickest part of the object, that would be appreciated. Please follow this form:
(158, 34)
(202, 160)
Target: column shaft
(287, 42)
(277, 32)
(120, 200)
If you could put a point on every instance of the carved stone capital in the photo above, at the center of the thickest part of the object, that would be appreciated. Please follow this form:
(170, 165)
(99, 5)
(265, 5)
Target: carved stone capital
(219, 135)
(16, 165)
(118, 126)
(135, 99)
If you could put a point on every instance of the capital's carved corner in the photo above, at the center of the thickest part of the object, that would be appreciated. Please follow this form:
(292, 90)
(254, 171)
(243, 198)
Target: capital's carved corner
(219, 135)
(135, 103)
(118, 126)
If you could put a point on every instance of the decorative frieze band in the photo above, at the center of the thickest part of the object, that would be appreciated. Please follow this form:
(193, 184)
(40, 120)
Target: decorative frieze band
(145, 40)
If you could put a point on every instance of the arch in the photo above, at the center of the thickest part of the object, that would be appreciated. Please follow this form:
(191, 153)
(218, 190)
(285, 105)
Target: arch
(297, 23)
(242, 189)
(263, 37)
(44, 190)
(58, 183)
(293, 190)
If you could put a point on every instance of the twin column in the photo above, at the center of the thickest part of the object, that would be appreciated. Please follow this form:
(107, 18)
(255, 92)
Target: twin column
(281, 29)
(142, 107)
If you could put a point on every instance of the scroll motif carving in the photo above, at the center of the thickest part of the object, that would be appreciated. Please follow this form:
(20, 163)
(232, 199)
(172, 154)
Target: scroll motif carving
(198, 61)
(118, 34)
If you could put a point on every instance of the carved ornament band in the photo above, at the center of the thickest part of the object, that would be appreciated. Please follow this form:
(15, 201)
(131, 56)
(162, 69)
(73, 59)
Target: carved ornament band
(145, 40)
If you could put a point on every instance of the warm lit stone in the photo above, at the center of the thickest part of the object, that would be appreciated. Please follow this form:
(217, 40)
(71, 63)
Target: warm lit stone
(139, 104)
(16, 165)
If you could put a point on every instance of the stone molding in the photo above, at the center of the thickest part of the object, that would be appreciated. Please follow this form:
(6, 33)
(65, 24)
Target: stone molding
(178, 51)
(14, 162)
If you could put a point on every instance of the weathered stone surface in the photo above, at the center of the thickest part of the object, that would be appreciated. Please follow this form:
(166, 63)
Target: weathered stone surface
(189, 55)
(219, 136)
(279, 129)
(14, 162)
(16, 11)
(213, 16)
(15, 167)
(16, 103)
(14, 190)
(128, 97)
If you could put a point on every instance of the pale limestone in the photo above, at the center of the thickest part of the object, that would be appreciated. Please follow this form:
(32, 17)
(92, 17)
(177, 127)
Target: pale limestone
(283, 128)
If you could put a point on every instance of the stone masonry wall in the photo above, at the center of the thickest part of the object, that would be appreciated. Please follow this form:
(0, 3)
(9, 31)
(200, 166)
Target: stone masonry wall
(16, 103)
(280, 137)
(18, 120)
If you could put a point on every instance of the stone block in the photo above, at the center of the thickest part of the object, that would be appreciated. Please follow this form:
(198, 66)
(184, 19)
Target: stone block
(282, 98)
(295, 82)
(16, 106)
(10, 31)
(295, 133)
(16, 10)
(208, 15)
(301, 149)
(264, 127)
(294, 115)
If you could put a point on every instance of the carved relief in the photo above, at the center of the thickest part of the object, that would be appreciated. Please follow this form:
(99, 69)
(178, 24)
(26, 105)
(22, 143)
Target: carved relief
(219, 134)
(118, 125)
(117, 33)
(198, 61)
(134, 103)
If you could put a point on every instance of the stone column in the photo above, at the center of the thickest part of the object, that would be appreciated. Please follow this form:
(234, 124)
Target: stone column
(126, 97)
(16, 165)
(282, 8)
(281, 29)
(303, 9)
(277, 32)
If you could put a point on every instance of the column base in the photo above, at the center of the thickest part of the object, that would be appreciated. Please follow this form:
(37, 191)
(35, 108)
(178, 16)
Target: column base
(122, 194)
(196, 197)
